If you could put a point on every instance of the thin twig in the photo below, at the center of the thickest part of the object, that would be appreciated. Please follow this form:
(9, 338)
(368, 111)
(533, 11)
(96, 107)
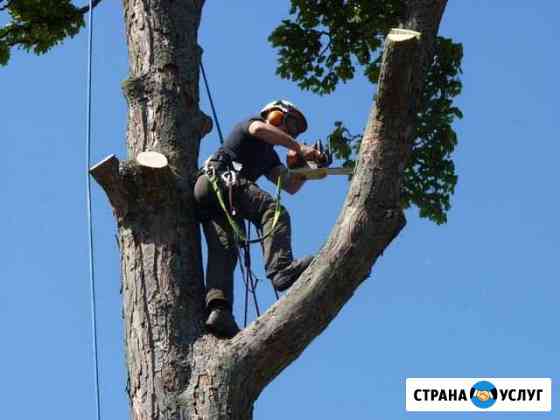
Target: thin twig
(6, 5)
(328, 44)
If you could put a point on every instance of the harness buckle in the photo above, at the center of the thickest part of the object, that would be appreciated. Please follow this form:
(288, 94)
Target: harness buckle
(230, 178)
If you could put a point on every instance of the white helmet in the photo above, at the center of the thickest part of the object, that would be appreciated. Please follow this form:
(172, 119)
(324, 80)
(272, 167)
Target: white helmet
(286, 107)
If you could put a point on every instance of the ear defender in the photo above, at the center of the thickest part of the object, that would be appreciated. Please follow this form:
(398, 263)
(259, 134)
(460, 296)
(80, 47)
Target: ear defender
(275, 117)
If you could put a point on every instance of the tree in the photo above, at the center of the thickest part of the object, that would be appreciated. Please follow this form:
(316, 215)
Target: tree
(176, 370)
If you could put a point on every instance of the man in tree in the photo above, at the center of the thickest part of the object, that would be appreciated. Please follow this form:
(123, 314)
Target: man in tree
(175, 369)
(247, 154)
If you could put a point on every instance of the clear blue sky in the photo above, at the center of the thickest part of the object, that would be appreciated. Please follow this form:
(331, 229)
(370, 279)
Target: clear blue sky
(477, 297)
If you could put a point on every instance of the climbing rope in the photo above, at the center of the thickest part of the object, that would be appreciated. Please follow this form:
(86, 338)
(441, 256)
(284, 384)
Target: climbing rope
(89, 215)
(249, 278)
(211, 103)
(244, 252)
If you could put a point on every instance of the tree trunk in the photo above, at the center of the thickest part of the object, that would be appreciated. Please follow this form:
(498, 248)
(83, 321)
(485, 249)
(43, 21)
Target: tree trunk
(176, 370)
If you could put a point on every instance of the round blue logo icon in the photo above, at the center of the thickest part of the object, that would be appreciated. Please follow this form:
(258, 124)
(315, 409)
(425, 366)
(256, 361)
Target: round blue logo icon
(483, 394)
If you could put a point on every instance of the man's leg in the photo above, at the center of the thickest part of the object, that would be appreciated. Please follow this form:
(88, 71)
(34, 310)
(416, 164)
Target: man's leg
(222, 258)
(260, 208)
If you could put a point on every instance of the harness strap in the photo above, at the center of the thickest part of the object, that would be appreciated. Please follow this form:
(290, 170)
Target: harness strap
(230, 193)
(210, 173)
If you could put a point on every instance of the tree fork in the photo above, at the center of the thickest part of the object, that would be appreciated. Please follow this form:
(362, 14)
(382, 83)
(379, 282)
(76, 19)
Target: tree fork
(176, 370)
(370, 220)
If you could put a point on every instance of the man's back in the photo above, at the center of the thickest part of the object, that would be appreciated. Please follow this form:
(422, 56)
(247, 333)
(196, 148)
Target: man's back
(257, 157)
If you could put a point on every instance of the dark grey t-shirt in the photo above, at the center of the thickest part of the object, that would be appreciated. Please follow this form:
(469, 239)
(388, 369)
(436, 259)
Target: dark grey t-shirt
(257, 156)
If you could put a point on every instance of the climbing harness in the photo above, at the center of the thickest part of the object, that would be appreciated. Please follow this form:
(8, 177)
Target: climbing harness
(230, 175)
(89, 214)
(229, 179)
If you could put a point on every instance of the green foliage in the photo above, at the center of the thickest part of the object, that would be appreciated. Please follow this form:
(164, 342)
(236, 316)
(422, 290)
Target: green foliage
(430, 177)
(345, 146)
(38, 25)
(321, 46)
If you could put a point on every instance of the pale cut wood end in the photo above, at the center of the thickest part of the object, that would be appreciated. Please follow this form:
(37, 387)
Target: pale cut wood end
(400, 35)
(153, 160)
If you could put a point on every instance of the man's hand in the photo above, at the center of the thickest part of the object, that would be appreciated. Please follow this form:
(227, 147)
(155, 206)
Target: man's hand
(309, 153)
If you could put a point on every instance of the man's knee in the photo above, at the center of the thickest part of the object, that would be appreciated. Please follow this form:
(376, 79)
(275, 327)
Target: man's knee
(202, 188)
(203, 197)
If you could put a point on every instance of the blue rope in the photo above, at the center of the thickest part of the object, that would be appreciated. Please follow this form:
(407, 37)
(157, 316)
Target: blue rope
(212, 103)
(89, 218)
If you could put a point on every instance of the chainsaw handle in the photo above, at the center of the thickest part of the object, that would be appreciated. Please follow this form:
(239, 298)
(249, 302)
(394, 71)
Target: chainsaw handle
(308, 154)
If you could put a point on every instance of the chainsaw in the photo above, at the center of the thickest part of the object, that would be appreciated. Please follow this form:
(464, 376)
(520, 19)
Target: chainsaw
(315, 169)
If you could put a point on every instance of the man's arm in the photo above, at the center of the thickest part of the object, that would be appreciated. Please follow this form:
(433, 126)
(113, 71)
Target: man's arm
(291, 183)
(275, 136)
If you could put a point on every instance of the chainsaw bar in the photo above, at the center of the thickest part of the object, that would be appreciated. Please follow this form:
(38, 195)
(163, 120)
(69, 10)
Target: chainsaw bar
(318, 173)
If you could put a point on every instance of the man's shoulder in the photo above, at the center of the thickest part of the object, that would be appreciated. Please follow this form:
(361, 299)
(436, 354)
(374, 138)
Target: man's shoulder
(240, 135)
(246, 122)
(241, 129)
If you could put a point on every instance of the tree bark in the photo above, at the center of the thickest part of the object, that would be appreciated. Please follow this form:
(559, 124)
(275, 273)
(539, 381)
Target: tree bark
(176, 370)
(163, 307)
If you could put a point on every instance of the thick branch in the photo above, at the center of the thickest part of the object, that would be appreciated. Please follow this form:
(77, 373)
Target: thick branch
(145, 182)
(106, 173)
(369, 221)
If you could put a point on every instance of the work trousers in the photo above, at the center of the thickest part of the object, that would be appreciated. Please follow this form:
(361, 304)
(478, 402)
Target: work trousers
(253, 204)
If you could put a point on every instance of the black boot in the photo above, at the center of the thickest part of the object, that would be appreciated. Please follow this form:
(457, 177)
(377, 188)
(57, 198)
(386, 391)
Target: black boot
(284, 278)
(220, 322)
